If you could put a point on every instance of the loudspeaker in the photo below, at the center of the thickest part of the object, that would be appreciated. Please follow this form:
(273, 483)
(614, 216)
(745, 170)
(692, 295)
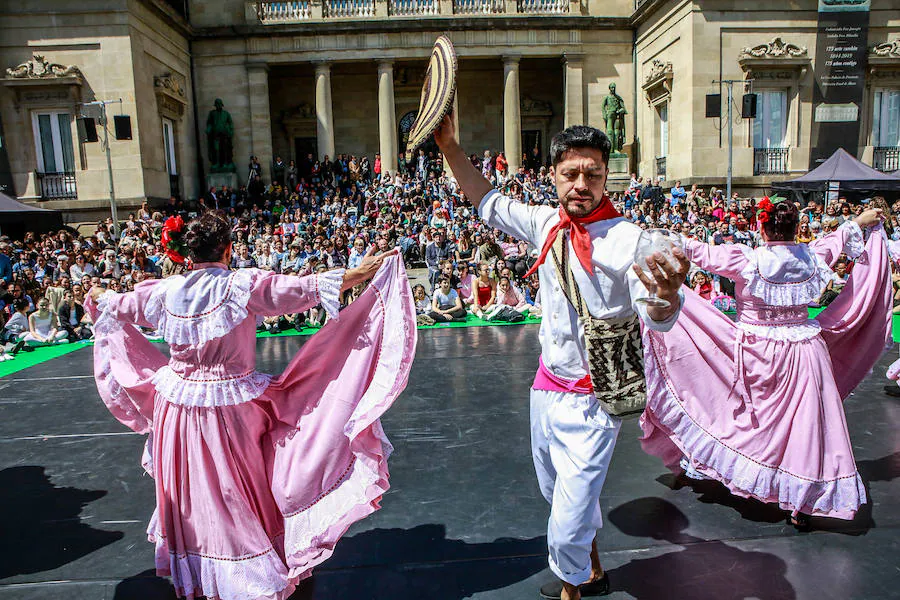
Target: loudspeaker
(748, 106)
(714, 105)
(87, 130)
(123, 127)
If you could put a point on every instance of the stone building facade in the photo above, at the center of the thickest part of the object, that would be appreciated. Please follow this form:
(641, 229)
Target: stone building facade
(344, 76)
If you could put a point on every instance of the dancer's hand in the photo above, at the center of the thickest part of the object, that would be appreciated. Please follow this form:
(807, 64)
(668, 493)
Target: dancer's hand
(665, 280)
(870, 217)
(366, 269)
(445, 134)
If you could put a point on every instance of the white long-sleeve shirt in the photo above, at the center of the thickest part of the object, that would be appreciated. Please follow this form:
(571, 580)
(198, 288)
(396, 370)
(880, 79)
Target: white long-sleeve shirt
(609, 292)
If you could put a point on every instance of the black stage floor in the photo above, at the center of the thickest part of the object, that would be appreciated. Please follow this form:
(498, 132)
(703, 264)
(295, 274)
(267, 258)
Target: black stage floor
(463, 517)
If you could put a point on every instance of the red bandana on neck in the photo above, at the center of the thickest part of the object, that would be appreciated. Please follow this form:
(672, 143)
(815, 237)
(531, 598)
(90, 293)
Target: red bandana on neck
(581, 239)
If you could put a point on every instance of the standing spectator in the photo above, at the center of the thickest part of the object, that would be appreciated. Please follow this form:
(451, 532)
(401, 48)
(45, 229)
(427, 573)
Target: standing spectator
(5, 264)
(678, 194)
(502, 168)
(278, 171)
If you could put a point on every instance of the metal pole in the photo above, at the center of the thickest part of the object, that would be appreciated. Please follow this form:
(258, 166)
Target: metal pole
(730, 141)
(112, 187)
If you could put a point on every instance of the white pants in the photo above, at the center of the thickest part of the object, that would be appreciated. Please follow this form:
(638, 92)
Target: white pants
(572, 442)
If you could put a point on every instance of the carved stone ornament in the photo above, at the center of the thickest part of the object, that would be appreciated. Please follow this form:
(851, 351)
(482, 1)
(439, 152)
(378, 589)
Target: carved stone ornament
(658, 70)
(170, 83)
(533, 107)
(777, 48)
(38, 68)
(658, 82)
(887, 49)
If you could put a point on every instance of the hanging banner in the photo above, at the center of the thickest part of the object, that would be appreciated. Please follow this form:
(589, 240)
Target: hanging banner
(840, 74)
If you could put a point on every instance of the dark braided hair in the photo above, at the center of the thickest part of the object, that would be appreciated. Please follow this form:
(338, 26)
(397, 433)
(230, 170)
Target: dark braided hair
(207, 237)
(783, 222)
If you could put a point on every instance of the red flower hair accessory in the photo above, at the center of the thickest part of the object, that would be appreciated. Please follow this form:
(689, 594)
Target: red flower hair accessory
(171, 239)
(764, 207)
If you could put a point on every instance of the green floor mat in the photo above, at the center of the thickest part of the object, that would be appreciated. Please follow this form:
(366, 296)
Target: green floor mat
(23, 359)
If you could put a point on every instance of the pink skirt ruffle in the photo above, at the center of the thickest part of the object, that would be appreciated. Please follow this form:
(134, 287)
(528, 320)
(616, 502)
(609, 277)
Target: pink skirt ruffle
(780, 434)
(252, 497)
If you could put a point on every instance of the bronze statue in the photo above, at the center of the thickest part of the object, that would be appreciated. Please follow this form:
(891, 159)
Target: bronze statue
(219, 133)
(614, 114)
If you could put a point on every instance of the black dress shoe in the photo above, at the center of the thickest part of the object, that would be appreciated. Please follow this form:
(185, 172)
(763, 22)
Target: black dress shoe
(892, 389)
(553, 590)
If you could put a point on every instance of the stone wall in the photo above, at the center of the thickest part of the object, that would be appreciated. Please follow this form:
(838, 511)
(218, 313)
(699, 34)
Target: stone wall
(118, 47)
(162, 76)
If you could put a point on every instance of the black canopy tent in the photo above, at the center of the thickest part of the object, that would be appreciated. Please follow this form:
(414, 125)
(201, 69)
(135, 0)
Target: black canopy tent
(844, 169)
(17, 218)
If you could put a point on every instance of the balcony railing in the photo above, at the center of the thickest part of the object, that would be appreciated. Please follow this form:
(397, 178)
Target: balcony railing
(478, 7)
(298, 11)
(543, 7)
(661, 166)
(283, 12)
(413, 8)
(768, 161)
(886, 158)
(57, 186)
(339, 9)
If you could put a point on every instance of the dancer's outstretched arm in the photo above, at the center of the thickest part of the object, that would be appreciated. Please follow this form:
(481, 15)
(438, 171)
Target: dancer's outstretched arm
(470, 179)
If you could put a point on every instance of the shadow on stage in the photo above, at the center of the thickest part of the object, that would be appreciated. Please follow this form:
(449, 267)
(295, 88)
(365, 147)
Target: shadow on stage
(701, 570)
(389, 564)
(886, 468)
(40, 522)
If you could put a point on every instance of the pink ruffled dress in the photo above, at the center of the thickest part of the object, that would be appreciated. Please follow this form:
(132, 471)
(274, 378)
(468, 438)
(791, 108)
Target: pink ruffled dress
(257, 477)
(757, 404)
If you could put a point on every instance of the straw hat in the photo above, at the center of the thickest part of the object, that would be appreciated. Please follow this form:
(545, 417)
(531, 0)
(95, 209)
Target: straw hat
(437, 94)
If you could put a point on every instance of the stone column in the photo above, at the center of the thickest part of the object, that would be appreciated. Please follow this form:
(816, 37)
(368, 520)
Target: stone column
(573, 86)
(260, 122)
(324, 118)
(387, 117)
(512, 117)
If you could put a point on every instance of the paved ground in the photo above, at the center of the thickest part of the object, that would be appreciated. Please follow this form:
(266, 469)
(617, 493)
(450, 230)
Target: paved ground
(463, 517)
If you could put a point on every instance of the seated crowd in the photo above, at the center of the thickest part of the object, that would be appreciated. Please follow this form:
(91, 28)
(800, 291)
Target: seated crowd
(326, 214)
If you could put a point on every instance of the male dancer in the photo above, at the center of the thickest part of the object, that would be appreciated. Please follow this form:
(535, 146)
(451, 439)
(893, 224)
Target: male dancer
(572, 438)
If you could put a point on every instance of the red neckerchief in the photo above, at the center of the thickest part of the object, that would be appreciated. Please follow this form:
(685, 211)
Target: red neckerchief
(581, 239)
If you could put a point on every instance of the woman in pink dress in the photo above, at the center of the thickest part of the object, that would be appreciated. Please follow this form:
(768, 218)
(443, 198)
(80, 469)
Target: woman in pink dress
(257, 477)
(757, 404)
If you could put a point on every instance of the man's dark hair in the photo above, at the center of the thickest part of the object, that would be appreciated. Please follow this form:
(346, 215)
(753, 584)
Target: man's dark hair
(579, 136)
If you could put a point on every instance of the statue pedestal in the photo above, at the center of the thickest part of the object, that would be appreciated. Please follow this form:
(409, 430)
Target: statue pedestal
(618, 163)
(217, 180)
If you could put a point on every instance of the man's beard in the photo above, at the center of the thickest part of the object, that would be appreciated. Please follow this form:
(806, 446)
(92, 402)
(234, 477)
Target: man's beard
(576, 207)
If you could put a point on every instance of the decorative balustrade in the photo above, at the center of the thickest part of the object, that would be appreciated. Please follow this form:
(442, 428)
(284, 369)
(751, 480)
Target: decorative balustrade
(770, 161)
(413, 8)
(56, 186)
(283, 12)
(886, 158)
(478, 7)
(341, 9)
(298, 11)
(543, 7)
